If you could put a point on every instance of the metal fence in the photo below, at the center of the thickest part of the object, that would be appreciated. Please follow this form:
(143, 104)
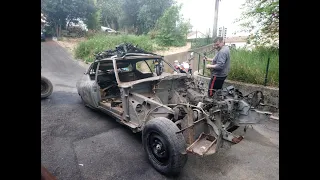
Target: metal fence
(200, 65)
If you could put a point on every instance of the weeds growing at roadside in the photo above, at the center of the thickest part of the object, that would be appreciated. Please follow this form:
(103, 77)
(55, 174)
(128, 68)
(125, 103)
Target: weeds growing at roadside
(100, 42)
(250, 66)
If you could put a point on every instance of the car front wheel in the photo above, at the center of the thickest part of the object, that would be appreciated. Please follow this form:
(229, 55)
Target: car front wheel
(166, 150)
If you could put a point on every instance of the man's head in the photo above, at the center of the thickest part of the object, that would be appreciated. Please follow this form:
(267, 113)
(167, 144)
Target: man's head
(218, 43)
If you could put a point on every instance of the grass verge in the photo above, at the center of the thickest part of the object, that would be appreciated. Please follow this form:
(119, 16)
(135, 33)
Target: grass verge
(250, 66)
(100, 42)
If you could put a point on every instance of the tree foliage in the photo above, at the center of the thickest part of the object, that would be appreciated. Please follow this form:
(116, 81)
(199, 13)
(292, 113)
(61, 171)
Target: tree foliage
(261, 19)
(142, 15)
(59, 11)
(139, 16)
(111, 12)
(130, 14)
(171, 29)
(149, 12)
(93, 18)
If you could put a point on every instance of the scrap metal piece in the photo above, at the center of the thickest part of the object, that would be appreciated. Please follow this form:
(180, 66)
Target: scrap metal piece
(237, 139)
(115, 103)
(190, 125)
(204, 145)
(230, 137)
(254, 117)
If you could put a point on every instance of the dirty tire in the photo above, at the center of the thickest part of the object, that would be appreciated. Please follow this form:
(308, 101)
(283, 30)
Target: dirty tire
(46, 87)
(165, 149)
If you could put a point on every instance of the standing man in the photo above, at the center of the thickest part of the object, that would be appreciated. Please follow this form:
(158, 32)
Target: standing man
(219, 67)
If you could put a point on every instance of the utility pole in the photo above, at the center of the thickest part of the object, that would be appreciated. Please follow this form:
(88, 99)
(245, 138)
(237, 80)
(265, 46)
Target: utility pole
(215, 22)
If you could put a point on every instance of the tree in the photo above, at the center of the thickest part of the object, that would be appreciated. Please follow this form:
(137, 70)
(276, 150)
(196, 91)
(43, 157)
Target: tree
(111, 12)
(142, 15)
(149, 12)
(93, 19)
(58, 12)
(171, 29)
(130, 14)
(261, 19)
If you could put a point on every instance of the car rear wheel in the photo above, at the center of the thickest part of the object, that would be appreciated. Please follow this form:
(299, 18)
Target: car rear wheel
(166, 150)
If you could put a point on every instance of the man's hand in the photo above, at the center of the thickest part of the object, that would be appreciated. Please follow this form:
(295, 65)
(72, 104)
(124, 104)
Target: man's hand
(210, 66)
(207, 59)
(204, 59)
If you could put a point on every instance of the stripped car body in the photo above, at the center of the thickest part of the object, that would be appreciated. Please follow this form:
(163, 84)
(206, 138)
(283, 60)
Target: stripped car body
(196, 124)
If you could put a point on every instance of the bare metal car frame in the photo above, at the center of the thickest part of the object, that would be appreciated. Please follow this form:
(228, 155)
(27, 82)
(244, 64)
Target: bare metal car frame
(170, 109)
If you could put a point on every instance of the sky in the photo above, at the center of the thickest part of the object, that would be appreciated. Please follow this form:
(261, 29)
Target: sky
(201, 14)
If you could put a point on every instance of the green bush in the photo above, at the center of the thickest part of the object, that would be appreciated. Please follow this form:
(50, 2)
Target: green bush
(100, 42)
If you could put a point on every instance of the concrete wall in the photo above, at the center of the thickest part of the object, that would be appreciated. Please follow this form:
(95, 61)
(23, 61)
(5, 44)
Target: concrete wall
(183, 56)
(271, 95)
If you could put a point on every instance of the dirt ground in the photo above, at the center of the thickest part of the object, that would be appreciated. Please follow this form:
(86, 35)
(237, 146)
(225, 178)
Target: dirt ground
(174, 50)
(71, 43)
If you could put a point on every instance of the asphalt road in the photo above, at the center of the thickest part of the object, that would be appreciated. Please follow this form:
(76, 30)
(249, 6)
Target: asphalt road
(80, 144)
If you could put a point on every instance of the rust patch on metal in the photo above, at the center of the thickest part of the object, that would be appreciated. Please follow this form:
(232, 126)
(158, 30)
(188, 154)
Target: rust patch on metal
(237, 139)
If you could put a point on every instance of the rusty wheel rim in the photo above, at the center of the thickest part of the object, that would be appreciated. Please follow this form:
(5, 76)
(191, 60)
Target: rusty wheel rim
(158, 148)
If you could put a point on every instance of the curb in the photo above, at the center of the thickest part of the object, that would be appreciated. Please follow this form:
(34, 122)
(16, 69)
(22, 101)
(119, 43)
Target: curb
(274, 118)
(82, 63)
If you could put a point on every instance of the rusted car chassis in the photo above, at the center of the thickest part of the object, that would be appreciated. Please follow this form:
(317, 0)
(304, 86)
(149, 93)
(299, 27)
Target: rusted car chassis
(171, 110)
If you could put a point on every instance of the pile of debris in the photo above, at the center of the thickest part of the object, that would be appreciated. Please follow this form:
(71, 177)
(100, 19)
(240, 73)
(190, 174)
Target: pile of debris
(120, 51)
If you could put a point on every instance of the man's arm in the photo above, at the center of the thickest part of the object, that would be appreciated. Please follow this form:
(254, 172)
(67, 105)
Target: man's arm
(208, 59)
(221, 60)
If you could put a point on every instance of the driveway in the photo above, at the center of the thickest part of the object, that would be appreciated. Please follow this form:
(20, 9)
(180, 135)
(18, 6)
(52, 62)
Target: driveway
(80, 144)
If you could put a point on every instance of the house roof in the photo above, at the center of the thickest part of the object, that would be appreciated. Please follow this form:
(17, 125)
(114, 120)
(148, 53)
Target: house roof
(199, 34)
(236, 39)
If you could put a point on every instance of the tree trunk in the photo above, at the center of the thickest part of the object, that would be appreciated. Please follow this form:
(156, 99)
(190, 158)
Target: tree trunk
(57, 30)
(112, 25)
(116, 24)
(69, 23)
(107, 23)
